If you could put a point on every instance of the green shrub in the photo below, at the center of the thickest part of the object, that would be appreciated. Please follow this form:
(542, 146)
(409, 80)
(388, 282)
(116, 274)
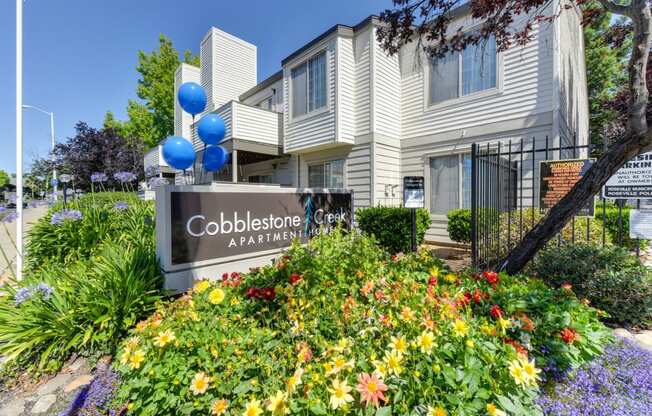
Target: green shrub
(338, 308)
(609, 217)
(101, 221)
(609, 277)
(84, 308)
(459, 225)
(392, 226)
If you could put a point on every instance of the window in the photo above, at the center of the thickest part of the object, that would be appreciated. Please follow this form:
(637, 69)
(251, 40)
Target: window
(266, 104)
(309, 85)
(260, 179)
(450, 183)
(326, 175)
(463, 73)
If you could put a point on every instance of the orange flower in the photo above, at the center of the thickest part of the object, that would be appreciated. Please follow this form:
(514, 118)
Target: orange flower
(371, 389)
(568, 335)
(567, 286)
(367, 288)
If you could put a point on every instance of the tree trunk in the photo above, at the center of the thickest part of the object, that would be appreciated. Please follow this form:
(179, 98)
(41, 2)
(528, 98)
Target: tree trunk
(637, 139)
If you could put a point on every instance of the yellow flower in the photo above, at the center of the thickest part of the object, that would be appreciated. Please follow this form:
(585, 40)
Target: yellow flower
(278, 403)
(530, 370)
(253, 408)
(380, 368)
(470, 343)
(164, 338)
(216, 296)
(136, 359)
(295, 380)
(340, 394)
(516, 371)
(434, 271)
(450, 278)
(132, 343)
(492, 410)
(436, 411)
(339, 364)
(124, 357)
(235, 302)
(393, 361)
(486, 329)
(199, 383)
(407, 314)
(219, 407)
(201, 286)
(399, 344)
(503, 324)
(426, 341)
(193, 315)
(342, 345)
(460, 328)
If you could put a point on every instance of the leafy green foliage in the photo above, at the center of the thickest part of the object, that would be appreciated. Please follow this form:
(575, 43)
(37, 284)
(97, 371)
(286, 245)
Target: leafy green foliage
(392, 226)
(101, 221)
(459, 225)
(4, 179)
(610, 278)
(93, 303)
(609, 218)
(339, 307)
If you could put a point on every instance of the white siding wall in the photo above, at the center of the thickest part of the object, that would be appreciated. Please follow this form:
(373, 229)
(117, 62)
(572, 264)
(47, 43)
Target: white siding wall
(387, 175)
(527, 85)
(182, 120)
(573, 100)
(319, 129)
(277, 101)
(345, 85)
(386, 93)
(228, 67)
(362, 56)
(255, 124)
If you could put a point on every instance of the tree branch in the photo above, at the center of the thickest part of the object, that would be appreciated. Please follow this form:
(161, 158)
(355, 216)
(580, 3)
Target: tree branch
(616, 8)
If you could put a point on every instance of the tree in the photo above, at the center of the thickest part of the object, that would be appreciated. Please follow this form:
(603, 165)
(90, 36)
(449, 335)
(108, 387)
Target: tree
(93, 150)
(152, 118)
(4, 179)
(427, 21)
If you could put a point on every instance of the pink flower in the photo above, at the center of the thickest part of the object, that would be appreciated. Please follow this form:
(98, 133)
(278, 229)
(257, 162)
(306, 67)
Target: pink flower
(371, 389)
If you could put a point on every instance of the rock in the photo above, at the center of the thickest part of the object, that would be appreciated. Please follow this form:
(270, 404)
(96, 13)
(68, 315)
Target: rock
(77, 365)
(622, 332)
(78, 382)
(14, 408)
(54, 384)
(44, 403)
(644, 339)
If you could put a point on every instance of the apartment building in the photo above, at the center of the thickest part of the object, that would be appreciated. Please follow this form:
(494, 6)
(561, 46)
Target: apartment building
(340, 113)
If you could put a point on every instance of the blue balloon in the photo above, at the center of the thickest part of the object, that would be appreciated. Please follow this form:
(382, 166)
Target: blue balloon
(214, 158)
(192, 97)
(211, 129)
(178, 152)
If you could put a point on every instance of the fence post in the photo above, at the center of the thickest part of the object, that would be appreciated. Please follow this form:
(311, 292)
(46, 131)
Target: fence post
(474, 204)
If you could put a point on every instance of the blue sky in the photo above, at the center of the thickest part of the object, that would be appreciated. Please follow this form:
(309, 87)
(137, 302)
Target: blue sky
(80, 56)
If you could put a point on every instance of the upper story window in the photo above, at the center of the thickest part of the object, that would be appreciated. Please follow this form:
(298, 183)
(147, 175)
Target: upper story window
(309, 85)
(266, 104)
(464, 73)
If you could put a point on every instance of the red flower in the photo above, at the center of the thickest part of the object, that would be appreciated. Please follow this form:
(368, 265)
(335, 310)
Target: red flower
(477, 296)
(464, 300)
(491, 277)
(568, 335)
(526, 323)
(517, 346)
(496, 312)
(380, 295)
(252, 292)
(295, 278)
(432, 281)
(265, 293)
(225, 276)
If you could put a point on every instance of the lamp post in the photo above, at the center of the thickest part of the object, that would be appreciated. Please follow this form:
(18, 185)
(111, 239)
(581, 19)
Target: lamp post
(52, 143)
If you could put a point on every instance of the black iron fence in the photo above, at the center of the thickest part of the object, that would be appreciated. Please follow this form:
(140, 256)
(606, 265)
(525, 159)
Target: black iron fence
(505, 200)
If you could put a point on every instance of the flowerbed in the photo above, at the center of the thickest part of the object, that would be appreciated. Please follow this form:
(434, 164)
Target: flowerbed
(338, 326)
(617, 383)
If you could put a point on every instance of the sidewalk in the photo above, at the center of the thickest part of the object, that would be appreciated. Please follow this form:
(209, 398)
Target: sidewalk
(30, 216)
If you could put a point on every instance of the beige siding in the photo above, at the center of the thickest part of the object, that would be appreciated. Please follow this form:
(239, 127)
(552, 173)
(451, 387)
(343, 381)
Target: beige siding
(386, 93)
(387, 175)
(363, 82)
(525, 85)
(573, 100)
(345, 101)
(311, 131)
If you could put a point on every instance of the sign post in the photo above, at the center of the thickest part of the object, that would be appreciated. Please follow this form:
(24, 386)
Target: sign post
(557, 177)
(633, 180)
(413, 198)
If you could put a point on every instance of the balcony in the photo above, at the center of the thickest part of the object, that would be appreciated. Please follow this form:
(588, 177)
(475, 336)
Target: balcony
(249, 129)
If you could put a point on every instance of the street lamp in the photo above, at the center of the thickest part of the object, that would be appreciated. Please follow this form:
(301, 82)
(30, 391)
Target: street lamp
(54, 170)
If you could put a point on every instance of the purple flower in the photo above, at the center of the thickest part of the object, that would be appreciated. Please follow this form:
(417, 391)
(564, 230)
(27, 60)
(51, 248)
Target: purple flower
(45, 290)
(10, 218)
(26, 293)
(154, 182)
(96, 398)
(124, 177)
(99, 177)
(121, 205)
(2, 208)
(65, 214)
(23, 294)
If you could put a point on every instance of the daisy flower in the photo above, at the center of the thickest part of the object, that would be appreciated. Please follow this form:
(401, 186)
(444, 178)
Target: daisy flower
(460, 328)
(219, 407)
(393, 361)
(295, 380)
(278, 403)
(201, 286)
(426, 341)
(516, 371)
(371, 389)
(199, 383)
(530, 370)
(399, 344)
(253, 408)
(164, 338)
(436, 411)
(492, 410)
(340, 394)
(136, 359)
(216, 296)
